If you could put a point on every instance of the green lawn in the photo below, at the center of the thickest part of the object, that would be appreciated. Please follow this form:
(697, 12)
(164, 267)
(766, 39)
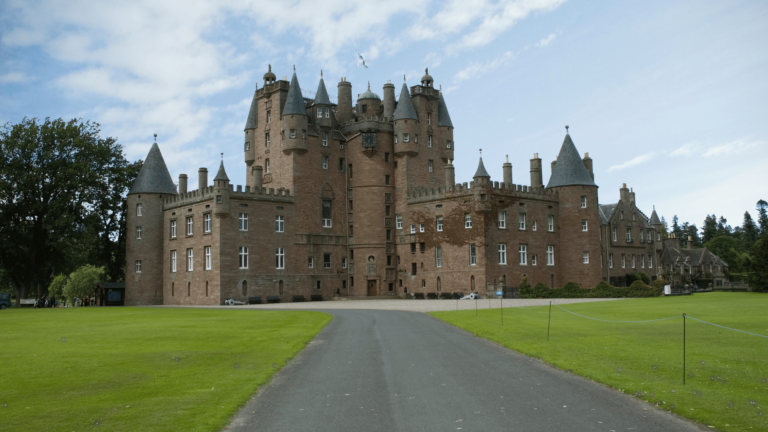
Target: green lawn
(131, 369)
(726, 385)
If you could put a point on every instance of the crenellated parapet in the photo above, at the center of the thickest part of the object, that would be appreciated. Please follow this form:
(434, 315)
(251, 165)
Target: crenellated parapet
(281, 195)
(419, 195)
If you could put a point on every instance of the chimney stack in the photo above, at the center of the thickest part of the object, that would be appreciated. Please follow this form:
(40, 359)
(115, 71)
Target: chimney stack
(624, 194)
(690, 243)
(632, 196)
(257, 177)
(182, 183)
(202, 178)
(537, 180)
(344, 111)
(450, 177)
(588, 164)
(389, 100)
(507, 171)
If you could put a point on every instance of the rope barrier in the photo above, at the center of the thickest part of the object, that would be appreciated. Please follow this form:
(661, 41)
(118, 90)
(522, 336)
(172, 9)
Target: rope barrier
(598, 319)
(727, 328)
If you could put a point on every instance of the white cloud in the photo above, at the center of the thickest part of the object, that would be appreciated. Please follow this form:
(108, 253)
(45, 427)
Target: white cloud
(474, 69)
(632, 162)
(13, 77)
(688, 149)
(731, 147)
(546, 41)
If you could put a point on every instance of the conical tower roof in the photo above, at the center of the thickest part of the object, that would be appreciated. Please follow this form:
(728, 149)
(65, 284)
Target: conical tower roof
(294, 104)
(321, 96)
(154, 176)
(654, 218)
(404, 108)
(222, 174)
(253, 115)
(481, 172)
(443, 118)
(569, 168)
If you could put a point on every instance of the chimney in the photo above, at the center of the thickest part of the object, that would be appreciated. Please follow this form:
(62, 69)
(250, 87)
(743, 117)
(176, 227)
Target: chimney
(690, 243)
(257, 177)
(624, 194)
(588, 165)
(450, 177)
(182, 183)
(202, 178)
(536, 176)
(389, 100)
(632, 196)
(507, 170)
(344, 111)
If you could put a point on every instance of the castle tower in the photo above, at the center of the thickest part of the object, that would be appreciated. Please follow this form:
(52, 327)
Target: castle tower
(481, 177)
(145, 231)
(251, 124)
(536, 176)
(368, 103)
(294, 120)
(344, 112)
(406, 125)
(577, 225)
(658, 228)
(221, 193)
(322, 106)
(444, 123)
(389, 100)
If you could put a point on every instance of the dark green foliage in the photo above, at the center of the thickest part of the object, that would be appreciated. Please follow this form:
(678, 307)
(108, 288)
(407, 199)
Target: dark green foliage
(757, 263)
(730, 250)
(710, 228)
(632, 277)
(638, 284)
(660, 283)
(762, 216)
(749, 232)
(602, 290)
(525, 288)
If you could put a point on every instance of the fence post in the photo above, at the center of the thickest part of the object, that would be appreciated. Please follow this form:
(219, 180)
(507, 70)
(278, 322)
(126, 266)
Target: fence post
(683, 349)
(549, 320)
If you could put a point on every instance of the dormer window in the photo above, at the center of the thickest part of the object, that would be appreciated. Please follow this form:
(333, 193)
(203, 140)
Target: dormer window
(406, 137)
(293, 133)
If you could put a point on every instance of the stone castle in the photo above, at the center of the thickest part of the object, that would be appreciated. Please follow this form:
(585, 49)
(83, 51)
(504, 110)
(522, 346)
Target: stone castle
(359, 199)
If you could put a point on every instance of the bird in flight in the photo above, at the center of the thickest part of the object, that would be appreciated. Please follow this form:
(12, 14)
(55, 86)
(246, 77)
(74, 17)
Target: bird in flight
(361, 61)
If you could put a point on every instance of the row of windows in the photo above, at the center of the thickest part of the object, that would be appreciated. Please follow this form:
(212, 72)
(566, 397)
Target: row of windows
(634, 261)
(645, 235)
(502, 222)
(242, 225)
(407, 138)
(502, 256)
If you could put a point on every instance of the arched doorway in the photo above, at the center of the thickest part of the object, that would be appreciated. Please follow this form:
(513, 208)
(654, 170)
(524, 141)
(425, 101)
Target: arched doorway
(439, 285)
(245, 288)
(280, 288)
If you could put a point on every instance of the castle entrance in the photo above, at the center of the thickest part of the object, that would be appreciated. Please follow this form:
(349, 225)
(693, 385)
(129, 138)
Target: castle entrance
(371, 288)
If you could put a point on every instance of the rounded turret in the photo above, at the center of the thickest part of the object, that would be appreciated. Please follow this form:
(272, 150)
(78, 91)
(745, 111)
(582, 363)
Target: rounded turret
(427, 80)
(269, 77)
(406, 125)
(294, 120)
(368, 103)
(344, 112)
(221, 193)
(321, 106)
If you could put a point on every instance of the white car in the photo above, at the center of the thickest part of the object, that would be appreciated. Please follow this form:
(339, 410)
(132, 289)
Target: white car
(233, 302)
(471, 296)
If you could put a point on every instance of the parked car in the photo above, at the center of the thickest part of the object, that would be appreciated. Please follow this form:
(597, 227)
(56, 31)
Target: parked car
(5, 300)
(233, 302)
(471, 296)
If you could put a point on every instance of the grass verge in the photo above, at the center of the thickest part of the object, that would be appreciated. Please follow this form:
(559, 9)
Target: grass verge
(726, 371)
(128, 369)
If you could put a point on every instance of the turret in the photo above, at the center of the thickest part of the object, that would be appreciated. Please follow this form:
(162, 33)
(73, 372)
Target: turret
(202, 178)
(406, 125)
(182, 183)
(251, 123)
(344, 111)
(658, 227)
(446, 127)
(537, 180)
(389, 100)
(588, 164)
(481, 176)
(294, 120)
(507, 171)
(221, 192)
(321, 106)
(257, 171)
(269, 77)
(368, 103)
(450, 176)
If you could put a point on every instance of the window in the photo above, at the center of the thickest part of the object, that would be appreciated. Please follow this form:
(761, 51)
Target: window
(389, 235)
(365, 108)
(633, 216)
(207, 251)
(138, 233)
(280, 258)
(413, 269)
(421, 227)
(448, 144)
(138, 209)
(523, 252)
(325, 162)
(658, 236)
(341, 164)
(622, 215)
(550, 255)
(269, 116)
(503, 254)
(344, 263)
(243, 222)
(387, 210)
(550, 223)
(395, 138)
(310, 262)
(266, 165)
(386, 179)
(279, 223)
(584, 225)
(416, 138)
(472, 254)
(629, 235)
(467, 220)
(350, 170)
(266, 140)
(138, 266)
(439, 223)
(623, 260)
(207, 222)
(189, 226)
(351, 230)
(398, 222)
(429, 118)
(648, 236)
(247, 146)
(533, 226)
(585, 257)
(327, 112)
(413, 248)
(642, 261)
(218, 198)
(190, 259)
(521, 221)
(389, 260)
(406, 137)
(641, 237)
(386, 157)
(438, 256)
(293, 133)
(650, 261)
(325, 139)
(422, 247)
(633, 261)
(320, 112)
(326, 213)
(431, 165)
(173, 229)
(583, 202)
(243, 257)
(429, 140)
(413, 228)
(533, 259)
(615, 235)
(502, 219)
(173, 261)
(610, 260)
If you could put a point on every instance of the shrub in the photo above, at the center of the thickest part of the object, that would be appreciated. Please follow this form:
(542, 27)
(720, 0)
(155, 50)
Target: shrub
(638, 284)
(525, 288)
(57, 286)
(541, 290)
(81, 281)
(659, 283)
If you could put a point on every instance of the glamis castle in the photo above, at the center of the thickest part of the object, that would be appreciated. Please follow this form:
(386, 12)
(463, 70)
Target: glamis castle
(359, 198)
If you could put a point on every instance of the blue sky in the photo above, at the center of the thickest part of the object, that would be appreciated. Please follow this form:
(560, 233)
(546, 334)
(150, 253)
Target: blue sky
(670, 97)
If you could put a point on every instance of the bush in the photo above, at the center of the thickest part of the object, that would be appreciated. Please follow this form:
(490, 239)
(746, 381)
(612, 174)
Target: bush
(57, 286)
(638, 284)
(637, 276)
(525, 288)
(602, 290)
(82, 280)
(659, 283)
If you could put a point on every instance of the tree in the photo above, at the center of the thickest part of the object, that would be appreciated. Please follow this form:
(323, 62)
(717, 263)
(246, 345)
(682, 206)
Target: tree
(749, 232)
(757, 264)
(81, 281)
(675, 225)
(762, 218)
(723, 228)
(57, 286)
(59, 182)
(710, 228)
(729, 250)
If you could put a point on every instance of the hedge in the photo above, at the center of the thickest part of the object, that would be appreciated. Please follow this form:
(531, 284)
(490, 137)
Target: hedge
(602, 290)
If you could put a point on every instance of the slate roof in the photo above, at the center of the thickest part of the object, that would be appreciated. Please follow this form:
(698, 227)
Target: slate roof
(321, 96)
(368, 94)
(154, 176)
(693, 257)
(253, 115)
(443, 118)
(404, 108)
(606, 210)
(655, 218)
(569, 168)
(481, 172)
(222, 174)
(294, 103)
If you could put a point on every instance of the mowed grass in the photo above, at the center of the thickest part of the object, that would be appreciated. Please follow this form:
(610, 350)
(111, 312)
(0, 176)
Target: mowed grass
(726, 382)
(140, 369)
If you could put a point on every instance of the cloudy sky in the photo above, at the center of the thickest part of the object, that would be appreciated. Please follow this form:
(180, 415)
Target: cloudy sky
(670, 97)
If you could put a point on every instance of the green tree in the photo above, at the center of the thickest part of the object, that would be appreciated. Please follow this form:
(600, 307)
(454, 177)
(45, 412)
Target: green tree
(709, 231)
(730, 250)
(57, 286)
(723, 228)
(81, 281)
(749, 232)
(762, 216)
(757, 264)
(60, 183)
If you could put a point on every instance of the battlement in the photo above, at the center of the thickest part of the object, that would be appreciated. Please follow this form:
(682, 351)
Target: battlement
(463, 189)
(369, 119)
(269, 88)
(200, 195)
(422, 90)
